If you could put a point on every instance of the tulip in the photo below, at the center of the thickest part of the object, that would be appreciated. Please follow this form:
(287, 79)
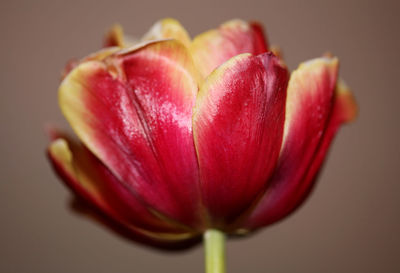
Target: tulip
(181, 138)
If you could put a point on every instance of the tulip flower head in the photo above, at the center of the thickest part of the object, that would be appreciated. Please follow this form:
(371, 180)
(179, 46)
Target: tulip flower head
(178, 136)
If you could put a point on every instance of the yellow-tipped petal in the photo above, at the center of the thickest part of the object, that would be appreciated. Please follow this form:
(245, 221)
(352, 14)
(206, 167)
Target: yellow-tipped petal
(133, 111)
(310, 84)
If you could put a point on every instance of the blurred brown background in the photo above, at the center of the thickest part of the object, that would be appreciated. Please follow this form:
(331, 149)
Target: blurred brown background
(350, 224)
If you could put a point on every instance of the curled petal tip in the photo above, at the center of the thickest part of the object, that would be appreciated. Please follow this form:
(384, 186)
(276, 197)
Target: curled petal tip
(59, 149)
(348, 105)
(114, 36)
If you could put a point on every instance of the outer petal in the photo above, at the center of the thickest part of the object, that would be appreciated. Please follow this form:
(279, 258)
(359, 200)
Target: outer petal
(91, 180)
(238, 126)
(310, 125)
(235, 37)
(135, 116)
(168, 28)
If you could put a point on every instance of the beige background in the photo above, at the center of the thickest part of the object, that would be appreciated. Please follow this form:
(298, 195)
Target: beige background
(350, 224)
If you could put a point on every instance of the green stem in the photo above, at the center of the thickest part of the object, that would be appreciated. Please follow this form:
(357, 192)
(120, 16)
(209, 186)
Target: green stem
(214, 248)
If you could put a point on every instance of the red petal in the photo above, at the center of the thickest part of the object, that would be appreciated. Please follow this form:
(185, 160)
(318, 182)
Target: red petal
(135, 116)
(91, 180)
(309, 128)
(214, 47)
(238, 126)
